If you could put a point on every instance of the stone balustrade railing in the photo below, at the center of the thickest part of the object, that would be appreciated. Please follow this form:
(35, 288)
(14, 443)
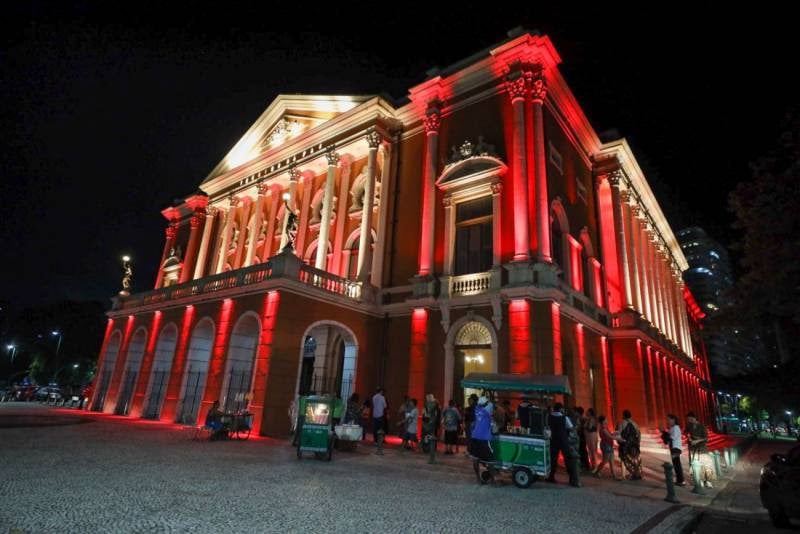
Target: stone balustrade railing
(285, 265)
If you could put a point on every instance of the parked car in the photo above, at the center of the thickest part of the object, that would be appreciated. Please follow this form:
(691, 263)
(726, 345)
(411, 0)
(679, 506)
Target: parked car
(48, 394)
(780, 487)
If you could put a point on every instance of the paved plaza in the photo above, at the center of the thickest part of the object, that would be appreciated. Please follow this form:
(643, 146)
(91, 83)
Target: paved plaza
(66, 471)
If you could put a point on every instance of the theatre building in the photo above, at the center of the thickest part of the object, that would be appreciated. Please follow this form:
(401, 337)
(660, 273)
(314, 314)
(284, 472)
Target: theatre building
(477, 225)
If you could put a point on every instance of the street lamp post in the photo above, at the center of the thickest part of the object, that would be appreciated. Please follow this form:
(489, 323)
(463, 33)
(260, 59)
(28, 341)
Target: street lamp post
(55, 375)
(12, 350)
(58, 345)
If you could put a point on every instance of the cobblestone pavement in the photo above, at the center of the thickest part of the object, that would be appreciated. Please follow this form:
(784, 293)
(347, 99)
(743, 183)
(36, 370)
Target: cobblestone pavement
(114, 475)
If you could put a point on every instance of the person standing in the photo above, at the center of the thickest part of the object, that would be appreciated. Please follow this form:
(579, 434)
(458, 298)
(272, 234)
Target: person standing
(676, 447)
(630, 454)
(560, 425)
(697, 437)
(401, 416)
(378, 413)
(590, 432)
(607, 439)
(431, 417)
(469, 416)
(411, 424)
(480, 447)
(583, 451)
(452, 420)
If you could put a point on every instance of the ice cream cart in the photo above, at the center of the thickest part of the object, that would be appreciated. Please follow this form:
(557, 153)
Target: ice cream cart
(316, 427)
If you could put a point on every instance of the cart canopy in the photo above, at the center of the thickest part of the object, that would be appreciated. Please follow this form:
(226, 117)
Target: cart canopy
(521, 383)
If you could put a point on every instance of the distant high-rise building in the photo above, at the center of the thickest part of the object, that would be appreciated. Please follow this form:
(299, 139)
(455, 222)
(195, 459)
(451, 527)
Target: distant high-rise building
(732, 350)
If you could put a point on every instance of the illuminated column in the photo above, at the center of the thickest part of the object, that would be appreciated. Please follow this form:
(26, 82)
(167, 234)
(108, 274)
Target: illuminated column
(497, 241)
(655, 384)
(669, 284)
(665, 289)
(327, 208)
(245, 217)
(641, 253)
(622, 248)
(517, 90)
(307, 180)
(205, 243)
(431, 121)
(687, 335)
(632, 230)
(191, 249)
(255, 224)
(364, 247)
(383, 213)
(538, 93)
(269, 238)
(667, 383)
(171, 233)
(656, 320)
(226, 237)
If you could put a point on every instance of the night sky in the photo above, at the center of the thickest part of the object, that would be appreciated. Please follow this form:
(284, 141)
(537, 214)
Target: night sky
(109, 114)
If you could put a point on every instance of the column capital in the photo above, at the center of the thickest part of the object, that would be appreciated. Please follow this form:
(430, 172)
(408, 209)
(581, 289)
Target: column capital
(614, 177)
(263, 188)
(211, 211)
(625, 195)
(447, 201)
(294, 174)
(538, 87)
(432, 120)
(373, 138)
(332, 156)
(635, 210)
(497, 188)
(233, 201)
(517, 87)
(196, 220)
(172, 230)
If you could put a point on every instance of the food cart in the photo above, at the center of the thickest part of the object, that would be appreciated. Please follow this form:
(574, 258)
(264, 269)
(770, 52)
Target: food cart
(316, 427)
(523, 450)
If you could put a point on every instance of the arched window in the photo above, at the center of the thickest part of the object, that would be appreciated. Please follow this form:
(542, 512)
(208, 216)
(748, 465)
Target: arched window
(350, 254)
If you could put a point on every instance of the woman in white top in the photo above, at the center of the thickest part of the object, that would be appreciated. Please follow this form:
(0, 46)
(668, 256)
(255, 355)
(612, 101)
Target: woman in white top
(676, 447)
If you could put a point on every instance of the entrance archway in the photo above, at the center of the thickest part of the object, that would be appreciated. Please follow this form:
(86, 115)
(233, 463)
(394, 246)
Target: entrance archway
(107, 369)
(238, 379)
(328, 357)
(159, 374)
(132, 364)
(471, 346)
(194, 379)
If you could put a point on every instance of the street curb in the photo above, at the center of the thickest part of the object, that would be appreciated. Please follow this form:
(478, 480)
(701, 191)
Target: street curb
(673, 520)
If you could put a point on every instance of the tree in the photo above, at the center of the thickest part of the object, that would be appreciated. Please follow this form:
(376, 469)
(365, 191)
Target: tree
(767, 210)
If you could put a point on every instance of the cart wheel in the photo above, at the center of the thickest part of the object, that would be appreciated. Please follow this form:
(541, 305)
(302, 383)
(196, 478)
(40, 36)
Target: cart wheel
(486, 476)
(243, 434)
(522, 476)
(329, 456)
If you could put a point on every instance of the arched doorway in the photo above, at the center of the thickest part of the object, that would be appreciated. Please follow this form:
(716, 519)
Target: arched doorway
(107, 369)
(132, 364)
(159, 374)
(471, 347)
(194, 379)
(239, 365)
(328, 360)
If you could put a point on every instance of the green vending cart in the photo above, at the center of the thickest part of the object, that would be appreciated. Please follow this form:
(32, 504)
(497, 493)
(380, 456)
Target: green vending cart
(316, 434)
(522, 450)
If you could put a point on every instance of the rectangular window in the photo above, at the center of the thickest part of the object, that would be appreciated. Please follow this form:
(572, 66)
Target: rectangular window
(473, 246)
(555, 158)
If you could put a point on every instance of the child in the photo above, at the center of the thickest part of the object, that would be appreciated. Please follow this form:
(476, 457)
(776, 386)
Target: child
(606, 448)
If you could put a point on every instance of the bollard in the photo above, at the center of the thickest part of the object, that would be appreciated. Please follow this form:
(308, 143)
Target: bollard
(717, 467)
(734, 455)
(668, 469)
(432, 448)
(698, 484)
(727, 453)
(380, 442)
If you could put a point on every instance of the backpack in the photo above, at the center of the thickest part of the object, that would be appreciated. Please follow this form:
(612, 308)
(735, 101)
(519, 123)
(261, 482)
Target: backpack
(665, 437)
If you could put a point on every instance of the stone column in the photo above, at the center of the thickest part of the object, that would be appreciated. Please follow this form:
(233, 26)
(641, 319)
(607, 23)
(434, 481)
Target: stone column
(431, 121)
(171, 233)
(497, 234)
(307, 179)
(237, 261)
(205, 243)
(383, 213)
(226, 237)
(364, 247)
(631, 231)
(538, 93)
(191, 249)
(517, 91)
(269, 239)
(327, 208)
(622, 246)
(654, 299)
(255, 225)
(642, 261)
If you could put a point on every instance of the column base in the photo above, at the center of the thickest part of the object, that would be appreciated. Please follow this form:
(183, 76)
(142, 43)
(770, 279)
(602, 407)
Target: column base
(520, 273)
(285, 265)
(546, 274)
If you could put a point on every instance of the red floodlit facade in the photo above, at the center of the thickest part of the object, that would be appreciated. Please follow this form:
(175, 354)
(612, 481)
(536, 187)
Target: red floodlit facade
(479, 226)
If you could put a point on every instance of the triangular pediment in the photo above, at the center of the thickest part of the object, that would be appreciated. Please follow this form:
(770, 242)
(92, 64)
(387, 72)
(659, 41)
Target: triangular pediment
(288, 116)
